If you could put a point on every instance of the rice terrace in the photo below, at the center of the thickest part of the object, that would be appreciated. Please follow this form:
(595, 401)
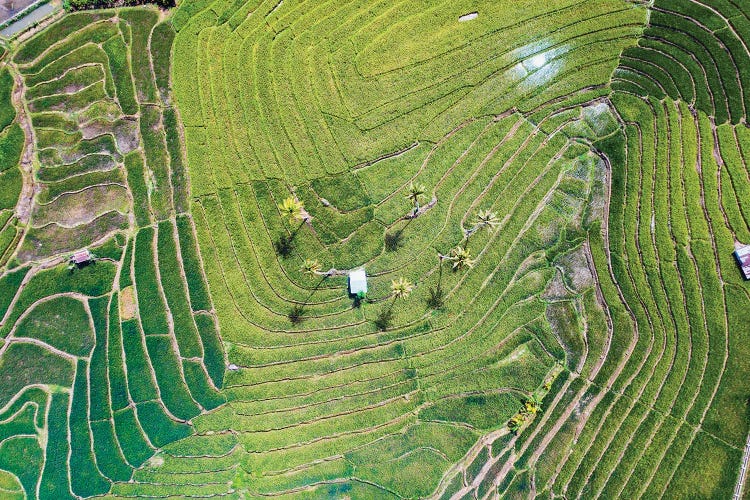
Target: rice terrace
(375, 249)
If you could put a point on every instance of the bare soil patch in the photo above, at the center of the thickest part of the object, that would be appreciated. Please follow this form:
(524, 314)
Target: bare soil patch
(72, 209)
(127, 303)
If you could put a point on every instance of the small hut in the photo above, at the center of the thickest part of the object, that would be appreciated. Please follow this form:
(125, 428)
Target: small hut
(742, 254)
(81, 257)
(358, 283)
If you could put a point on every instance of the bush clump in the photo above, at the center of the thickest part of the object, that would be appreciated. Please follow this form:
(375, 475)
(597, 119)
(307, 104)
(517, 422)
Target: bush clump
(72, 5)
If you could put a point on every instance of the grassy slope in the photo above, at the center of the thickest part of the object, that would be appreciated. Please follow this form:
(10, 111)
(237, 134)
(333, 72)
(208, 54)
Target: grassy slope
(120, 372)
(315, 108)
(648, 387)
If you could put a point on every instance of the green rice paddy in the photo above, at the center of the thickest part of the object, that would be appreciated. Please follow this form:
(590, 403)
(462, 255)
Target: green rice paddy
(588, 340)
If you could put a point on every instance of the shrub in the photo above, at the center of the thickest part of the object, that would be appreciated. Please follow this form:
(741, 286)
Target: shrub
(105, 4)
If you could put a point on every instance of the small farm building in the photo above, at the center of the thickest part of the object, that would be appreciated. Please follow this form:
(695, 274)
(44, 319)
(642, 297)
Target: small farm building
(742, 254)
(81, 257)
(358, 282)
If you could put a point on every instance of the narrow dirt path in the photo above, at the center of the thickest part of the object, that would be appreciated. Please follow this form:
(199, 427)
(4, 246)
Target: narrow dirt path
(26, 200)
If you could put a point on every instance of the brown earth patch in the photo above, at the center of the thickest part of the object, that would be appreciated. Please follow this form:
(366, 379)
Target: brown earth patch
(54, 239)
(73, 209)
(127, 303)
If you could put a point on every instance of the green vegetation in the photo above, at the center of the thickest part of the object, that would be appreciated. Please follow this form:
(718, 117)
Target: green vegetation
(61, 322)
(103, 395)
(87, 481)
(479, 411)
(322, 183)
(54, 480)
(12, 140)
(545, 197)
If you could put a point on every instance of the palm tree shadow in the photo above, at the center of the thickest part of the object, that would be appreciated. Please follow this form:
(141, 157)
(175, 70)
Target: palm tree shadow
(284, 246)
(436, 300)
(315, 289)
(298, 310)
(383, 321)
(395, 240)
(296, 313)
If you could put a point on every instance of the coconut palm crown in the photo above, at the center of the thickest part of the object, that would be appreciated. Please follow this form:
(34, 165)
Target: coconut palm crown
(401, 288)
(461, 258)
(293, 209)
(414, 194)
(311, 267)
(485, 219)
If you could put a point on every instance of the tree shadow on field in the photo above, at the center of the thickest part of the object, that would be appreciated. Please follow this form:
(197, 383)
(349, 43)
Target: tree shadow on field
(284, 245)
(394, 240)
(298, 310)
(73, 267)
(295, 314)
(436, 300)
(356, 301)
(383, 321)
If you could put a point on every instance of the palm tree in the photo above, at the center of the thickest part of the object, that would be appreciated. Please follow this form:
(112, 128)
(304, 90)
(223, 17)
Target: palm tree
(515, 423)
(532, 405)
(401, 288)
(461, 258)
(293, 209)
(485, 219)
(312, 267)
(414, 194)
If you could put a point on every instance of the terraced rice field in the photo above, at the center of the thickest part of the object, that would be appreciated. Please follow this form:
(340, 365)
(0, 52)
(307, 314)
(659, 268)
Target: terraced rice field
(595, 347)
(102, 364)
